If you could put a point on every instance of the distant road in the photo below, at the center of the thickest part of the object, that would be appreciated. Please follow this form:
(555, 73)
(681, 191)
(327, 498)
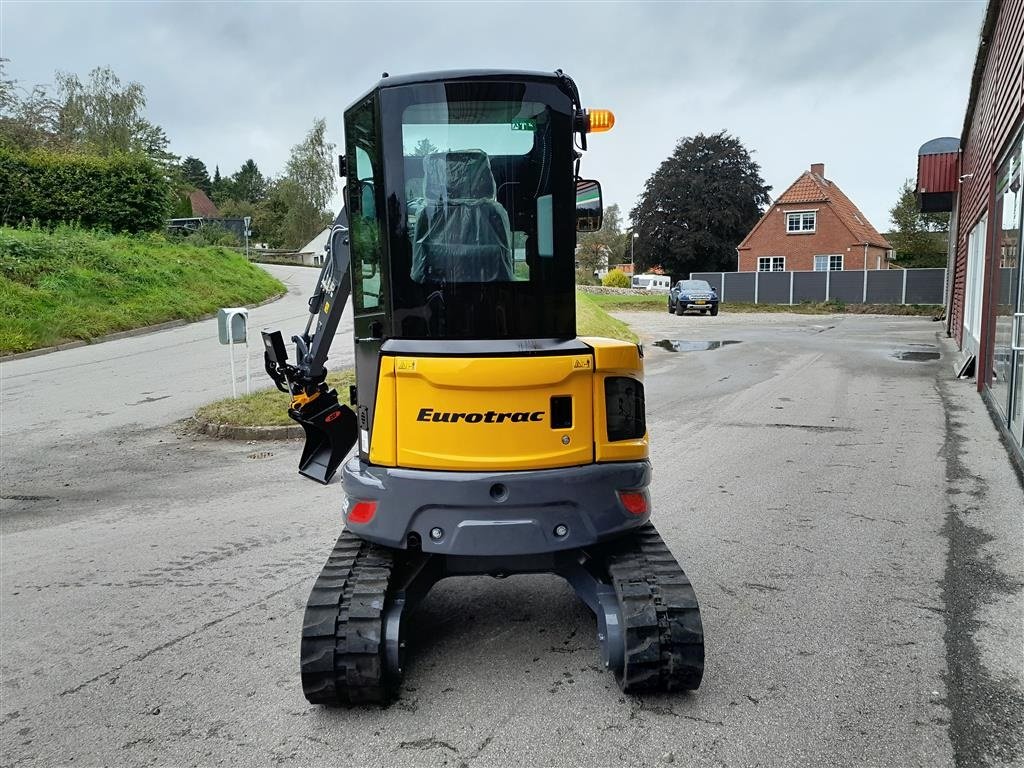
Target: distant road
(142, 381)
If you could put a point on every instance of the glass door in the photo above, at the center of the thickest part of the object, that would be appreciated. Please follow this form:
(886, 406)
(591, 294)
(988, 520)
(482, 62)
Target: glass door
(1007, 383)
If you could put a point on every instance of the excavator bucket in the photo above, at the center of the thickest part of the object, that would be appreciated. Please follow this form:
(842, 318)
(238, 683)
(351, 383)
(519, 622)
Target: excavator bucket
(331, 430)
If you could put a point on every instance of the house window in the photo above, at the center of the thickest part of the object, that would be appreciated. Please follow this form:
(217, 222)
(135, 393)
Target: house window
(828, 263)
(800, 222)
(771, 263)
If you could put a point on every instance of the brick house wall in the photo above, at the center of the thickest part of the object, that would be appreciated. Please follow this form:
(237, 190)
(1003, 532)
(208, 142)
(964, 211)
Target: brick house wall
(840, 229)
(830, 237)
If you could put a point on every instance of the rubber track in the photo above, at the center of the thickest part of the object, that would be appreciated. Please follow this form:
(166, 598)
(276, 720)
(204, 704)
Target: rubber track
(342, 652)
(663, 631)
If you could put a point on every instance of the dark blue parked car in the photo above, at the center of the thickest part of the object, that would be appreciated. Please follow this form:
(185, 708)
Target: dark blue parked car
(693, 294)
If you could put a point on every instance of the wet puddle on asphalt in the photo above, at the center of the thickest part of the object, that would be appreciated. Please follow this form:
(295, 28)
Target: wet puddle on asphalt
(676, 345)
(916, 357)
(921, 353)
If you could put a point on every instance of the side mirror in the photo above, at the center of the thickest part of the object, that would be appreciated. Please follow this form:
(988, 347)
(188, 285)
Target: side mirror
(342, 166)
(589, 208)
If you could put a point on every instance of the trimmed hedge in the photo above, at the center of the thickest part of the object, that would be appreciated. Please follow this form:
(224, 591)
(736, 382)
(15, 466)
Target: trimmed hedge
(122, 193)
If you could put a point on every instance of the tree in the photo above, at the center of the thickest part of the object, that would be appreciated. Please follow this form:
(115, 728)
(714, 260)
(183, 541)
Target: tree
(919, 239)
(105, 117)
(597, 249)
(424, 147)
(250, 185)
(698, 205)
(28, 118)
(271, 212)
(308, 187)
(194, 173)
(221, 189)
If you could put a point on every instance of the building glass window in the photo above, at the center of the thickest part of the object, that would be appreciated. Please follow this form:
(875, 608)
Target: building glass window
(828, 263)
(975, 280)
(1006, 377)
(801, 222)
(771, 263)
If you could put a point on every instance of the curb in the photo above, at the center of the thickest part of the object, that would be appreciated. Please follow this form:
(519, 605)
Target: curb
(238, 432)
(127, 334)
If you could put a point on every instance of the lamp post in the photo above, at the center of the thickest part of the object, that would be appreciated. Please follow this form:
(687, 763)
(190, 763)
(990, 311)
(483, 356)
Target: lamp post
(631, 240)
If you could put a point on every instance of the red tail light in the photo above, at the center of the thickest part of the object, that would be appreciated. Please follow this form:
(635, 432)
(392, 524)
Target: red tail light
(635, 502)
(362, 512)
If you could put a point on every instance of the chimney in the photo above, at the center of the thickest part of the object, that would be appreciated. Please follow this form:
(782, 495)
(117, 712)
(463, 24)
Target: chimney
(818, 169)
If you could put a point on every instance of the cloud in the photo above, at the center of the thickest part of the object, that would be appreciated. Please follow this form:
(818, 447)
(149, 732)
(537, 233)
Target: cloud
(857, 85)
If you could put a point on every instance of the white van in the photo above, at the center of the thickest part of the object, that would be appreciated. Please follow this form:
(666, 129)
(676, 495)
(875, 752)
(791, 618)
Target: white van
(654, 283)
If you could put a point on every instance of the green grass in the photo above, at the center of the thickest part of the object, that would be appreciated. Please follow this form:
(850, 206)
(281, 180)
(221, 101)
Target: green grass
(70, 283)
(268, 407)
(592, 319)
(658, 302)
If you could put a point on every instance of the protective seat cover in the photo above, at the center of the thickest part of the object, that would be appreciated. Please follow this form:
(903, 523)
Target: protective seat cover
(462, 234)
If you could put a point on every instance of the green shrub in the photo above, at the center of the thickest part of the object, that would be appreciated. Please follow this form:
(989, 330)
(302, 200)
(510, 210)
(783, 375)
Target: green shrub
(122, 193)
(616, 279)
(213, 234)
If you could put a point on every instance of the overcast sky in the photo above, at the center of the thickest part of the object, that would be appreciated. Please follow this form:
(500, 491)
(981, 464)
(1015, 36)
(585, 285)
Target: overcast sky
(858, 86)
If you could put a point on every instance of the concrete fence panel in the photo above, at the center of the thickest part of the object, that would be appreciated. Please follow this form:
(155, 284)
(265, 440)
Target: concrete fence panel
(924, 286)
(773, 287)
(846, 286)
(739, 287)
(885, 286)
(873, 286)
(808, 286)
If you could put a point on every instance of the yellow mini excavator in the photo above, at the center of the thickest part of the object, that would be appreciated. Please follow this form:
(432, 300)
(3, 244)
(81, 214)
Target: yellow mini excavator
(491, 439)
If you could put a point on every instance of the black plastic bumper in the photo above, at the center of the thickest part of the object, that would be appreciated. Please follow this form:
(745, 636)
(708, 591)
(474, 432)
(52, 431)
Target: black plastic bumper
(495, 513)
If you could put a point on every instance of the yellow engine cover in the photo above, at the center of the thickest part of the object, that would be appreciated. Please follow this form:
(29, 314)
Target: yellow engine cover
(492, 413)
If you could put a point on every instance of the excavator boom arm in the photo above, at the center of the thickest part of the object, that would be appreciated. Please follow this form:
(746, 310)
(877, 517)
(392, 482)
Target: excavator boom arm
(330, 427)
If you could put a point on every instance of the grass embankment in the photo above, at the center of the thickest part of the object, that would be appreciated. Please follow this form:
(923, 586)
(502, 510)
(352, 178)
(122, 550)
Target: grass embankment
(69, 284)
(266, 408)
(269, 407)
(658, 302)
(592, 319)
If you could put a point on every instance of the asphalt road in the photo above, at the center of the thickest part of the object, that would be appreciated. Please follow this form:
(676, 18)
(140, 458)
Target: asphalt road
(850, 522)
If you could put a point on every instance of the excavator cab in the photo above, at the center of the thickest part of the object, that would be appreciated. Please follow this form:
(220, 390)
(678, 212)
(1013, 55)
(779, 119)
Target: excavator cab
(490, 438)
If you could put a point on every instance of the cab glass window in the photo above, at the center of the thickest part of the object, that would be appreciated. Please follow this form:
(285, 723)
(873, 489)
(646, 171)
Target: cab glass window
(480, 201)
(363, 189)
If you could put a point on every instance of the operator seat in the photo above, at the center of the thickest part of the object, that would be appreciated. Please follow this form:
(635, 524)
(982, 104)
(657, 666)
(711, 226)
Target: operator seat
(462, 234)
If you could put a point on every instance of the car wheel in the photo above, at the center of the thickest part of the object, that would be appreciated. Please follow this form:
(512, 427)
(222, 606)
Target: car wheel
(714, 310)
(680, 308)
(671, 309)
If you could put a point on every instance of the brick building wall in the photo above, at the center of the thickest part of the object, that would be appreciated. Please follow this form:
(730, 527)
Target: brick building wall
(994, 115)
(830, 237)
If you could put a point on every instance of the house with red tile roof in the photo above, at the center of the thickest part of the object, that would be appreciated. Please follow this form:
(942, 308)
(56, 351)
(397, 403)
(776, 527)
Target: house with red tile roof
(202, 206)
(813, 226)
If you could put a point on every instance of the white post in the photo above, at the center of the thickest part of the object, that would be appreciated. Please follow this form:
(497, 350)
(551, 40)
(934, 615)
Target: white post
(864, 300)
(248, 379)
(903, 297)
(231, 354)
(756, 281)
(828, 279)
(791, 288)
